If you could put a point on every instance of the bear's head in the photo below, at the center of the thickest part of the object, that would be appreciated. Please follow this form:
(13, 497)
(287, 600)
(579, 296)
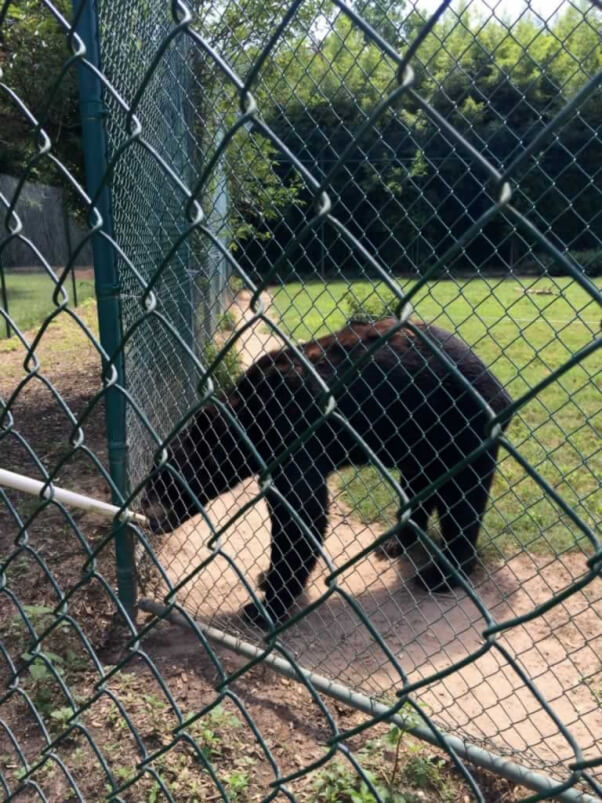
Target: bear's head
(204, 460)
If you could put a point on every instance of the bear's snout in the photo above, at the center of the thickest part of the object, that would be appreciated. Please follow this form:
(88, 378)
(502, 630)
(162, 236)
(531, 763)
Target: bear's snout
(155, 513)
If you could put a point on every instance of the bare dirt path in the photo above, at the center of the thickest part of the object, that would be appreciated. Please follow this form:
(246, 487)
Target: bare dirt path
(486, 701)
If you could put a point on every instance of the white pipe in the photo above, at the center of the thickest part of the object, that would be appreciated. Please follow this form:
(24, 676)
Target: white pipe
(19, 482)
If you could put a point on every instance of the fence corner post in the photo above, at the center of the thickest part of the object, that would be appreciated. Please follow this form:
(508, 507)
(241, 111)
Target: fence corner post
(107, 286)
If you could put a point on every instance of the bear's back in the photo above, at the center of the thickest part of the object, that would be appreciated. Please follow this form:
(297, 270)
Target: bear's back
(367, 350)
(394, 391)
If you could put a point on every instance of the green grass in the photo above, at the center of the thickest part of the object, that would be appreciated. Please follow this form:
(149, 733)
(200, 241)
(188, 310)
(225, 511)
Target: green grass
(523, 330)
(30, 297)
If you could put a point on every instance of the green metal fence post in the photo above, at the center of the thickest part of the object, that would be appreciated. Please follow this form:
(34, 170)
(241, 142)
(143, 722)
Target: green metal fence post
(68, 245)
(107, 286)
(4, 296)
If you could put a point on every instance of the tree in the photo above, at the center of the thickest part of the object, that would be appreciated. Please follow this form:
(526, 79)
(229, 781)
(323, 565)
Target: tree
(33, 49)
(407, 189)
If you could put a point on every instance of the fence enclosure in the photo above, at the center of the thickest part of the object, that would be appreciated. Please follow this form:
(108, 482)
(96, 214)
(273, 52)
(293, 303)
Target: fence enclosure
(255, 177)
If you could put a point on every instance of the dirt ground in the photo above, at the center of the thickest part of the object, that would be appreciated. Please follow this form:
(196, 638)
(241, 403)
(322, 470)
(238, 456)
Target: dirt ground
(485, 701)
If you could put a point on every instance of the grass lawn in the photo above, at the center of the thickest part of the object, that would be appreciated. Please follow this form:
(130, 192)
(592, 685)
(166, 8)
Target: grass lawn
(30, 297)
(523, 330)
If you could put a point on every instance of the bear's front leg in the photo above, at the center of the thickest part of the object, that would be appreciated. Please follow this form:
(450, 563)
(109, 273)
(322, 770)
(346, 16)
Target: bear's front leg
(298, 511)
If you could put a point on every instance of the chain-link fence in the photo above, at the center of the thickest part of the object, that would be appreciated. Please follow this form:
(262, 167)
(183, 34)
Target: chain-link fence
(347, 265)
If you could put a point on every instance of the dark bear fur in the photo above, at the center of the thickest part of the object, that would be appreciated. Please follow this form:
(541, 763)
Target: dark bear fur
(406, 405)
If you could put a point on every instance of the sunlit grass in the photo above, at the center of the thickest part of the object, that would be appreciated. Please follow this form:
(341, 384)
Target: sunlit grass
(523, 330)
(30, 298)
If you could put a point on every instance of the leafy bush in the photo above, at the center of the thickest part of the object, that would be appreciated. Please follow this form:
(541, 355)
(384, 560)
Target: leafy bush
(590, 262)
(370, 305)
(227, 371)
(226, 322)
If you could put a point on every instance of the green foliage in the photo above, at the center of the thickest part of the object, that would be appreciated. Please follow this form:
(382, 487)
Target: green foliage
(257, 192)
(235, 284)
(227, 370)
(237, 783)
(155, 791)
(494, 82)
(424, 772)
(226, 322)
(210, 732)
(46, 667)
(403, 189)
(369, 305)
(61, 716)
(32, 52)
(387, 19)
(42, 682)
(222, 718)
(38, 614)
(340, 783)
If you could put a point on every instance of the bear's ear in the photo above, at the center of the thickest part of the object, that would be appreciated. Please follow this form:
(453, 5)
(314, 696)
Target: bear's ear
(207, 422)
(285, 401)
(271, 380)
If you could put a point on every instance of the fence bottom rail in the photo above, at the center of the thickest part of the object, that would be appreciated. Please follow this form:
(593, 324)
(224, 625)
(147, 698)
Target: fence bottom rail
(482, 758)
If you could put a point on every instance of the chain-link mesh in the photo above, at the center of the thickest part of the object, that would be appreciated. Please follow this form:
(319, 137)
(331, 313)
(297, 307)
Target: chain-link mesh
(402, 513)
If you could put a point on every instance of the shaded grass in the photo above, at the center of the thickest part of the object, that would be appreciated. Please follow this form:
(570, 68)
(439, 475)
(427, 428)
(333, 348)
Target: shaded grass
(30, 297)
(523, 330)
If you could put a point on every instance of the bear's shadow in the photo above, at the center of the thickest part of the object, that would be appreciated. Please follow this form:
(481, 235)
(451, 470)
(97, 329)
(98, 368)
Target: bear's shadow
(357, 638)
(379, 609)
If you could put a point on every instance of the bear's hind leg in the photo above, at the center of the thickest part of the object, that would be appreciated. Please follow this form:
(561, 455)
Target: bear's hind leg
(461, 504)
(397, 545)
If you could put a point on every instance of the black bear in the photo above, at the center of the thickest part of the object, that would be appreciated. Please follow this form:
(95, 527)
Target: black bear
(402, 399)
